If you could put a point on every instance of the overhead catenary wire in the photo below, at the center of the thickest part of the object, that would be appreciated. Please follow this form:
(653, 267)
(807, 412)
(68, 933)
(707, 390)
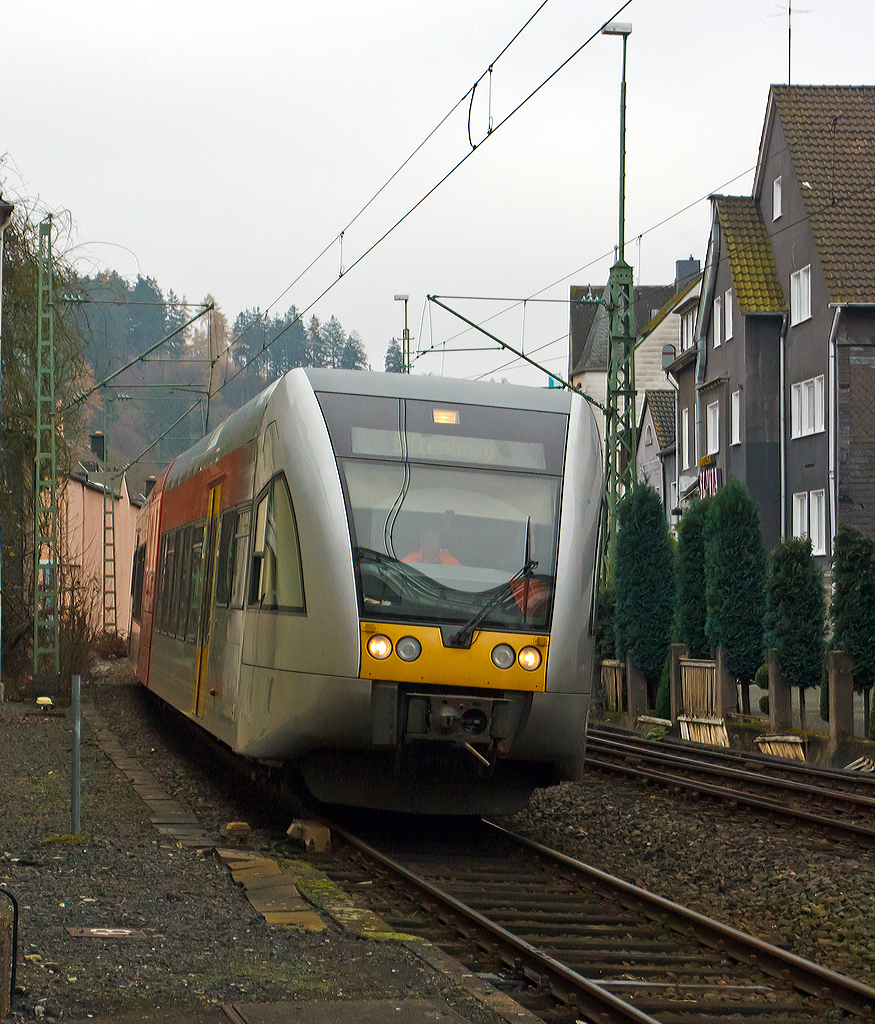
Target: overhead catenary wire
(439, 183)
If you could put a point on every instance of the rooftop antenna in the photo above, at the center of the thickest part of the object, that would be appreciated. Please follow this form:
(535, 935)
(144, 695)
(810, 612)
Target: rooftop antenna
(788, 10)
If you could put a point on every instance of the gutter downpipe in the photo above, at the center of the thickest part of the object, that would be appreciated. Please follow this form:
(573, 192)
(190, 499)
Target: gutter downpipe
(709, 282)
(785, 325)
(833, 428)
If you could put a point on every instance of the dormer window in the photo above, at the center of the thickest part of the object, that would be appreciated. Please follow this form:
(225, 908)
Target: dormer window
(776, 198)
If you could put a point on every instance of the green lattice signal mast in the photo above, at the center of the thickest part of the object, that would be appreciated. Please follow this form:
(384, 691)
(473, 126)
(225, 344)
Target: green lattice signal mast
(46, 646)
(620, 428)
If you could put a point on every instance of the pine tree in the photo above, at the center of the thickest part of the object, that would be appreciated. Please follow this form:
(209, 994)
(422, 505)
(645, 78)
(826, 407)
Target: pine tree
(853, 607)
(735, 578)
(690, 578)
(394, 358)
(354, 355)
(795, 622)
(643, 582)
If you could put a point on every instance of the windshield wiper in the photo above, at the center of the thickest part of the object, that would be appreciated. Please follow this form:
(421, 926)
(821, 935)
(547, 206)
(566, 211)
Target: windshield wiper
(462, 636)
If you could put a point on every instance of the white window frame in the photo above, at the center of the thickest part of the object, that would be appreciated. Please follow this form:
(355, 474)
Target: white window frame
(817, 521)
(712, 427)
(735, 417)
(776, 198)
(807, 407)
(717, 319)
(727, 314)
(800, 296)
(685, 438)
(648, 435)
(688, 329)
(800, 514)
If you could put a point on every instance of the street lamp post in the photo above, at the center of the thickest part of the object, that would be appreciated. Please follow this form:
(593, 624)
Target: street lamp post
(405, 338)
(620, 454)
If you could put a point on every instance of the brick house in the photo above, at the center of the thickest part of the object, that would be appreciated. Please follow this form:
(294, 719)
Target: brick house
(776, 386)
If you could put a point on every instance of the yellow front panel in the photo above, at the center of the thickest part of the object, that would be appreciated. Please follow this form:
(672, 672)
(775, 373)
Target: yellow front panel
(450, 666)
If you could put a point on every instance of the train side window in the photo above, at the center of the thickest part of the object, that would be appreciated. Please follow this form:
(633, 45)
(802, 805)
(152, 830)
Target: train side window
(225, 564)
(170, 581)
(161, 584)
(276, 578)
(196, 561)
(137, 582)
(241, 543)
(183, 575)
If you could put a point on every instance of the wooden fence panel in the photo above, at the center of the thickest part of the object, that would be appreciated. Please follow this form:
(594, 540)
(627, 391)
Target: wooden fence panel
(699, 685)
(612, 683)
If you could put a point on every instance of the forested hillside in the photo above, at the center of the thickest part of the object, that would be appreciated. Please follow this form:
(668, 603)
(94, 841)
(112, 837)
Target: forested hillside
(205, 370)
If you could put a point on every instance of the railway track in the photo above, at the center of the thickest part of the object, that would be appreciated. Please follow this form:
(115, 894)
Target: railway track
(586, 946)
(839, 801)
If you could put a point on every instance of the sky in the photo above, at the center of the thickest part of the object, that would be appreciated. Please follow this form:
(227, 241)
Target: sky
(221, 149)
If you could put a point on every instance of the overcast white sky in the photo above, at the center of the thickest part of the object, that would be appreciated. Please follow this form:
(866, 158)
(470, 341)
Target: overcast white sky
(226, 146)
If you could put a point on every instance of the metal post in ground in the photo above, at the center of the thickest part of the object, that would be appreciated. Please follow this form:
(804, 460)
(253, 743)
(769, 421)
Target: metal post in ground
(76, 773)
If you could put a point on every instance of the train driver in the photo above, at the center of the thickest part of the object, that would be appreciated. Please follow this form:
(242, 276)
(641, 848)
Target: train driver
(430, 550)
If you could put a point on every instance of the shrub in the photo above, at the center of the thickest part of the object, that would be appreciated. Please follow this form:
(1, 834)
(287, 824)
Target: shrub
(735, 576)
(690, 579)
(643, 581)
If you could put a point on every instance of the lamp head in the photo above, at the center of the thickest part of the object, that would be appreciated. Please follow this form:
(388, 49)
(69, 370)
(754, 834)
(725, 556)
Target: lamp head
(617, 28)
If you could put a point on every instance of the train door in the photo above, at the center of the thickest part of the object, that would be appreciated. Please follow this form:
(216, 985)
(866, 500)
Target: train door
(211, 537)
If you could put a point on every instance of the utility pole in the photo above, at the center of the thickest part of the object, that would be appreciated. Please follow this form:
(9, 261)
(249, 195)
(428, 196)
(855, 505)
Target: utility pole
(620, 434)
(405, 338)
(46, 645)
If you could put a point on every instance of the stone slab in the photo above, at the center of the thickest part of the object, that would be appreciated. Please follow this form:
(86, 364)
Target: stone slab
(349, 1011)
(279, 900)
(260, 882)
(253, 868)
(303, 920)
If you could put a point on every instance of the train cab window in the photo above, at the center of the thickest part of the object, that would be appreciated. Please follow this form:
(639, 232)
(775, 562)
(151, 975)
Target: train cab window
(276, 578)
(137, 577)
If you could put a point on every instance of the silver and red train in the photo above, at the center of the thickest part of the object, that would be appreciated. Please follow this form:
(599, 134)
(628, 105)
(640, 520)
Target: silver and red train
(383, 583)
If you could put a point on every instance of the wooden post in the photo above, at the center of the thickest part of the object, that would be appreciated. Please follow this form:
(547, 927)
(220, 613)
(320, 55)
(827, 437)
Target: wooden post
(636, 688)
(677, 651)
(727, 687)
(841, 697)
(779, 697)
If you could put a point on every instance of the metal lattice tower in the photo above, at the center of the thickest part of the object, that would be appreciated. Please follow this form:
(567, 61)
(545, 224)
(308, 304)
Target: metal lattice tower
(46, 645)
(109, 605)
(621, 428)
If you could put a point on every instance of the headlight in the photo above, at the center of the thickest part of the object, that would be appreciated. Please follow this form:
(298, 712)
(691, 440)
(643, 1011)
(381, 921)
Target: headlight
(530, 658)
(408, 648)
(503, 656)
(379, 647)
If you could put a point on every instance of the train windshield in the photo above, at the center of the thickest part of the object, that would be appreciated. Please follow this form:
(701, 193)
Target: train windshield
(449, 522)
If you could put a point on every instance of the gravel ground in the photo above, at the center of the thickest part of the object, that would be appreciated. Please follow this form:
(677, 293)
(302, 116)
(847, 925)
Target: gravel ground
(205, 945)
(788, 885)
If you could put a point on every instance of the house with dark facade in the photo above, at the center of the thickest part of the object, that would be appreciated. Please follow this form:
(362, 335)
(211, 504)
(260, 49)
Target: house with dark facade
(776, 366)
(656, 446)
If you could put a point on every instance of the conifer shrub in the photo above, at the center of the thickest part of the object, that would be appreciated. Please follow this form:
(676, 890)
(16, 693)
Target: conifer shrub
(691, 611)
(795, 618)
(853, 606)
(643, 582)
(735, 577)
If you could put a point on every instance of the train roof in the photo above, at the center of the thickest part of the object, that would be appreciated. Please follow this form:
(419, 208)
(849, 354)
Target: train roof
(244, 424)
(444, 389)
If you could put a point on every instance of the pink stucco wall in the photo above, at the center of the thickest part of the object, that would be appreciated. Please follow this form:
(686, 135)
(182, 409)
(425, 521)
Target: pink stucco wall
(81, 536)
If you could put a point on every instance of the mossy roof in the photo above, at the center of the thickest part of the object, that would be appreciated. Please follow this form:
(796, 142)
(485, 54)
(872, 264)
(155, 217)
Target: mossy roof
(754, 277)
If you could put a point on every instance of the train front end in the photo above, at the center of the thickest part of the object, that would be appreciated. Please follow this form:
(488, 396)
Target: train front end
(473, 514)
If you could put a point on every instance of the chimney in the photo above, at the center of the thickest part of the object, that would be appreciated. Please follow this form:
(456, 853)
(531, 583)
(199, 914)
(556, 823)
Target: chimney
(684, 272)
(150, 483)
(96, 442)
